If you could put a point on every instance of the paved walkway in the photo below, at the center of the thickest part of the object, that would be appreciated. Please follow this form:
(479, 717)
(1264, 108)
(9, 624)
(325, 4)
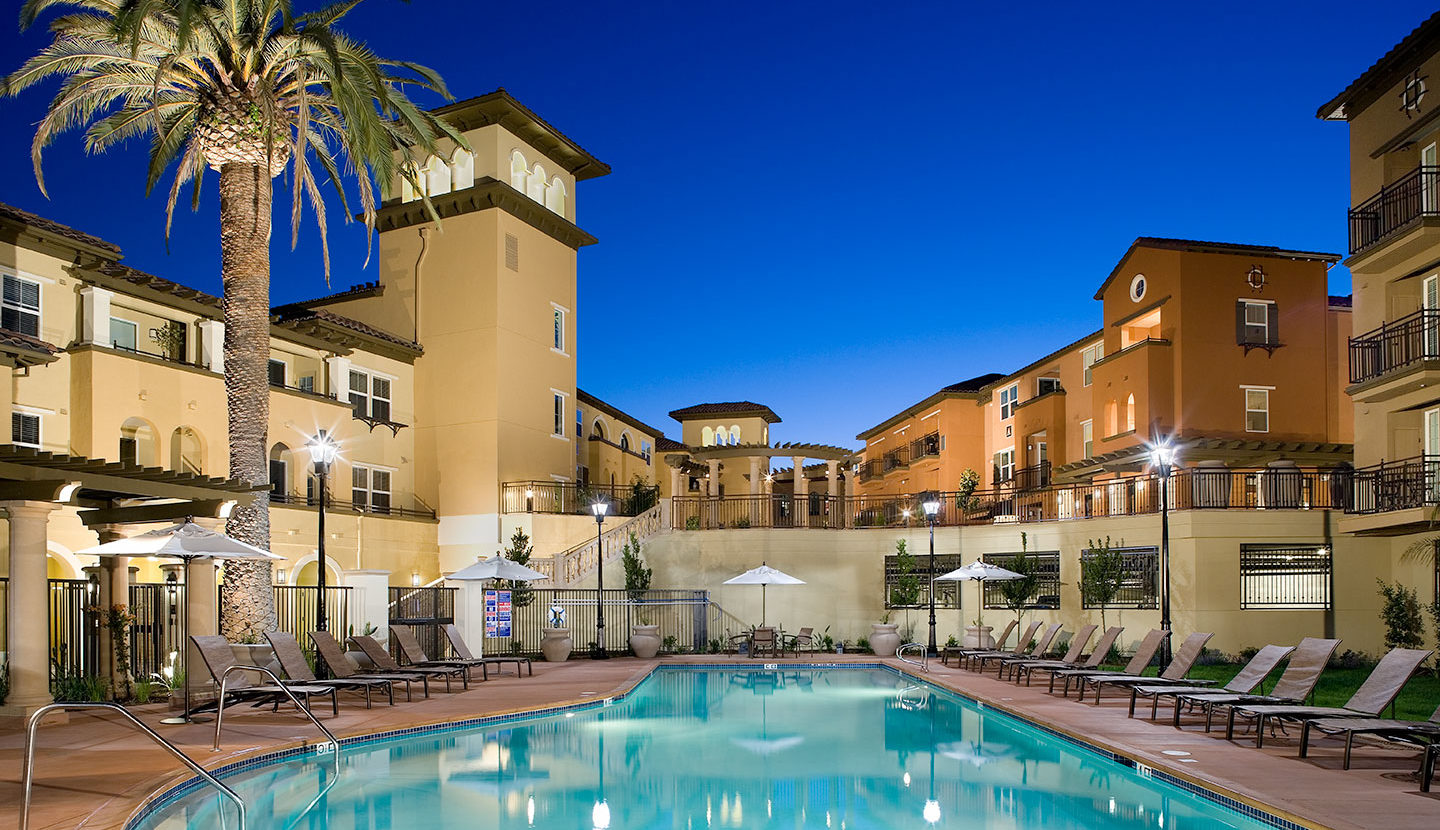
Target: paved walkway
(93, 774)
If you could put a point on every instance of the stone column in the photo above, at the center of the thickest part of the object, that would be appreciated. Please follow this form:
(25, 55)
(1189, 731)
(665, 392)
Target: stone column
(832, 473)
(114, 590)
(370, 602)
(28, 620)
(756, 501)
(713, 491)
(802, 493)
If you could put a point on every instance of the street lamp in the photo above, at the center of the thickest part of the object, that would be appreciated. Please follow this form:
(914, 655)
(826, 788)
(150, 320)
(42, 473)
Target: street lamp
(322, 453)
(599, 508)
(931, 506)
(1162, 457)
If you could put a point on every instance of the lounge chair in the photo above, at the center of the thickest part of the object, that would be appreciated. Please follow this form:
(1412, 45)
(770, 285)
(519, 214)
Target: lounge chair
(958, 652)
(452, 633)
(1295, 685)
(763, 640)
(1092, 661)
(415, 657)
(386, 664)
(1174, 674)
(1041, 648)
(242, 688)
(1024, 647)
(805, 639)
(1144, 653)
(1427, 766)
(1251, 675)
(1425, 734)
(1072, 655)
(328, 650)
(1377, 692)
(297, 668)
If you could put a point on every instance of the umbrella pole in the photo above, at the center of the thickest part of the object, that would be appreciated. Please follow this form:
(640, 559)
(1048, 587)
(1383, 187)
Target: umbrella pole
(763, 589)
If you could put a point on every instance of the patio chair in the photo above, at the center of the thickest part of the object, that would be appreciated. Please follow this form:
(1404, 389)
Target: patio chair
(215, 651)
(764, 639)
(1296, 683)
(1144, 653)
(964, 655)
(1039, 651)
(805, 639)
(1424, 734)
(1091, 661)
(415, 657)
(1427, 766)
(735, 641)
(1071, 658)
(958, 652)
(1251, 675)
(328, 651)
(1377, 692)
(385, 664)
(1174, 674)
(297, 668)
(452, 633)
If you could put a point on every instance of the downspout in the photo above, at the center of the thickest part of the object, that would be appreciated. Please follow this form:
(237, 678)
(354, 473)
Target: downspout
(424, 231)
(1330, 607)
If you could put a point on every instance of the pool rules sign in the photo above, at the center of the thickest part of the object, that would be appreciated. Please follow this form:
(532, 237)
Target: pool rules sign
(497, 613)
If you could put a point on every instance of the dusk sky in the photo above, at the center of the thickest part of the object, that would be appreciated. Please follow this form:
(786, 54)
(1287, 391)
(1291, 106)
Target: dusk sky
(837, 209)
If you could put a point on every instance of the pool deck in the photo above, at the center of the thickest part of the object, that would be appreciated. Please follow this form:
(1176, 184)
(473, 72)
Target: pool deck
(94, 773)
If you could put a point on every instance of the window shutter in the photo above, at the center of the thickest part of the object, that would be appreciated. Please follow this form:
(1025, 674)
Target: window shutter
(1272, 322)
(1239, 321)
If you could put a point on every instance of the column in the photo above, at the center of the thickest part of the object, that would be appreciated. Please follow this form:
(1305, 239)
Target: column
(95, 315)
(802, 493)
(114, 590)
(200, 620)
(713, 491)
(28, 622)
(832, 473)
(369, 602)
(756, 501)
(212, 345)
(339, 372)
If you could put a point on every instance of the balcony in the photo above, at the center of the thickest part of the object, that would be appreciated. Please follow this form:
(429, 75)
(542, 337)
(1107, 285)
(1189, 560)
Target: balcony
(1407, 484)
(1408, 341)
(1395, 208)
(380, 504)
(897, 459)
(871, 470)
(1032, 478)
(926, 447)
(570, 498)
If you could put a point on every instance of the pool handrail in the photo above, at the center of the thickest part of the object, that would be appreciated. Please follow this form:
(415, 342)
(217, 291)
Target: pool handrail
(40, 713)
(923, 663)
(334, 746)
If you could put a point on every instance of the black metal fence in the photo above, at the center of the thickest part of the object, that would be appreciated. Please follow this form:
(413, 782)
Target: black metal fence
(427, 611)
(74, 632)
(681, 615)
(1282, 576)
(296, 607)
(1397, 485)
(1395, 345)
(1395, 207)
(1139, 576)
(1045, 564)
(159, 628)
(567, 497)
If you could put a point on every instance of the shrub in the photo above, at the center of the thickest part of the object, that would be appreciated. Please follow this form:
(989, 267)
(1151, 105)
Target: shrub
(1019, 592)
(692, 522)
(668, 645)
(637, 576)
(1101, 576)
(742, 522)
(952, 642)
(521, 594)
(1248, 653)
(714, 646)
(1349, 659)
(144, 690)
(1404, 627)
(862, 645)
(4, 682)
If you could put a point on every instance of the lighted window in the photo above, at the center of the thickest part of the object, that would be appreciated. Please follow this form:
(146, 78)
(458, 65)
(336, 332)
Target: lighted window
(1256, 328)
(20, 310)
(1087, 438)
(1009, 396)
(1088, 357)
(1257, 410)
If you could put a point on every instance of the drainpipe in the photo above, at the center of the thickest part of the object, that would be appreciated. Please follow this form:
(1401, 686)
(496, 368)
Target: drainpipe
(1330, 546)
(424, 231)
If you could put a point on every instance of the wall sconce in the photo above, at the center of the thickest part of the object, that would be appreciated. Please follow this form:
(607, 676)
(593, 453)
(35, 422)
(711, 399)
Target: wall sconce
(279, 576)
(414, 579)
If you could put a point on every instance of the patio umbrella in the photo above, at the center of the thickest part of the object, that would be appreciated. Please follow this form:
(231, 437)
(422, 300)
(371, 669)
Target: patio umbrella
(764, 576)
(187, 542)
(497, 567)
(981, 572)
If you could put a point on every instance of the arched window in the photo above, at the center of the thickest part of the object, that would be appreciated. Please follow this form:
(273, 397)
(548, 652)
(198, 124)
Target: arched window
(519, 170)
(187, 452)
(735, 434)
(535, 184)
(437, 176)
(707, 437)
(279, 469)
(624, 440)
(137, 442)
(1111, 422)
(462, 170)
(722, 436)
(1130, 413)
(555, 196)
(597, 429)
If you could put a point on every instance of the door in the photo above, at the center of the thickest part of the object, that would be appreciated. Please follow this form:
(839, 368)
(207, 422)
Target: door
(1431, 462)
(1429, 173)
(1430, 315)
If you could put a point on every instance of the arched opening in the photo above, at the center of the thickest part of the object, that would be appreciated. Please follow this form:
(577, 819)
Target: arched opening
(410, 182)
(279, 470)
(137, 443)
(707, 437)
(722, 436)
(437, 176)
(307, 572)
(555, 196)
(535, 184)
(462, 170)
(624, 440)
(597, 429)
(735, 433)
(519, 170)
(1111, 421)
(187, 451)
(1130, 413)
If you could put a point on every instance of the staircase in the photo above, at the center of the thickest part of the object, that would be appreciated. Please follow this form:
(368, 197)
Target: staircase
(569, 568)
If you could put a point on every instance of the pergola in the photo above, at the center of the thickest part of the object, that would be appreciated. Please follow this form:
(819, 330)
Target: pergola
(757, 455)
(108, 496)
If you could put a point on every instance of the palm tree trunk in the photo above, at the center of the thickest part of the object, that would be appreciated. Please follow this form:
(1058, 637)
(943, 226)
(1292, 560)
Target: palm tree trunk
(248, 603)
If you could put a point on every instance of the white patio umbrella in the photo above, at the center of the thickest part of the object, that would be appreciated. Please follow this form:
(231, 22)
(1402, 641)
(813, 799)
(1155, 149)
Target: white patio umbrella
(981, 572)
(187, 542)
(497, 567)
(764, 576)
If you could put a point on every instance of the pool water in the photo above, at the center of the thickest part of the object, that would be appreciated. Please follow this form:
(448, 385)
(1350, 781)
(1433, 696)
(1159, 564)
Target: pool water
(720, 748)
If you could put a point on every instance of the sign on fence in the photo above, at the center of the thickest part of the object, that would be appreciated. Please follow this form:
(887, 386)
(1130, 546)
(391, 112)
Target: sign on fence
(497, 613)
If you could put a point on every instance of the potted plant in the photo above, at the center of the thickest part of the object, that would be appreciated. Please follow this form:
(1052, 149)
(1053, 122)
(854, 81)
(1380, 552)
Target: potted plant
(644, 638)
(555, 642)
(355, 655)
(884, 636)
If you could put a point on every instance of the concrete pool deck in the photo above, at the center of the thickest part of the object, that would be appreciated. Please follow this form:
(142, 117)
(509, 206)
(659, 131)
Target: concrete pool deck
(93, 772)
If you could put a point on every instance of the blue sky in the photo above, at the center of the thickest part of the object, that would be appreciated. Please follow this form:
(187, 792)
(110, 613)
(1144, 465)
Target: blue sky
(837, 209)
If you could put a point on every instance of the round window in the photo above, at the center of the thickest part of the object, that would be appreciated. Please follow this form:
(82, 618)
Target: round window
(1137, 288)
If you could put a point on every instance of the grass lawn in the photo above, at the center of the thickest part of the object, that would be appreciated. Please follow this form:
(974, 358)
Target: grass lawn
(1417, 700)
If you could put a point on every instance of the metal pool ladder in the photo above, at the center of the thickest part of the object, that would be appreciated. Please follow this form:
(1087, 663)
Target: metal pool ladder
(333, 747)
(923, 663)
(40, 714)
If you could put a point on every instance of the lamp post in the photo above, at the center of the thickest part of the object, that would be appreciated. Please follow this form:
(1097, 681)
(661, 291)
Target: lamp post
(931, 505)
(1162, 456)
(599, 508)
(322, 453)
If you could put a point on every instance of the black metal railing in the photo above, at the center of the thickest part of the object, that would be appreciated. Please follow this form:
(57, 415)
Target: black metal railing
(566, 497)
(872, 469)
(1395, 207)
(1404, 342)
(897, 459)
(419, 510)
(681, 615)
(925, 447)
(1031, 478)
(427, 611)
(1279, 576)
(1397, 485)
(159, 628)
(166, 356)
(295, 607)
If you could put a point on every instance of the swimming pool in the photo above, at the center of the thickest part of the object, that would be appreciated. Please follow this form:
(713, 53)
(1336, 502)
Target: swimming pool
(720, 748)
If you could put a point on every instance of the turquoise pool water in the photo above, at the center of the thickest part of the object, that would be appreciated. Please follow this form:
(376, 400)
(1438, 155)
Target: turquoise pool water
(711, 748)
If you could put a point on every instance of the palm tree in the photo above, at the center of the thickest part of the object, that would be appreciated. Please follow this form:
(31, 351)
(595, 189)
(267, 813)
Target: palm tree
(248, 89)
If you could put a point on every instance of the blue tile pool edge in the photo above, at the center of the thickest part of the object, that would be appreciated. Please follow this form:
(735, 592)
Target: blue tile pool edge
(159, 800)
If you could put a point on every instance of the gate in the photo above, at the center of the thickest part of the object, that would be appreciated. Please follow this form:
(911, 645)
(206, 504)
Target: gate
(681, 614)
(295, 607)
(425, 610)
(159, 627)
(74, 632)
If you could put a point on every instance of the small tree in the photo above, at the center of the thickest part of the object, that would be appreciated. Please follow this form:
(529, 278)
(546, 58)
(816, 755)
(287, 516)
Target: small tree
(521, 594)
(965, 491)
(1404, 627)
(637, 576)
(906, 593)
(1019, 592)
(1101, 575)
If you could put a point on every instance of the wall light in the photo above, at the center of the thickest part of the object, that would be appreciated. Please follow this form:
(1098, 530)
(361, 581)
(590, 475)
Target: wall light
(414, 579)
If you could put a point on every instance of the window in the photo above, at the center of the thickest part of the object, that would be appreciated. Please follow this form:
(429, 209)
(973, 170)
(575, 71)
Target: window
(645, 450)
(625, 441)
(1044, 386)
(369, 395)
(1130, 413)
(512, 252)
(1139, 576)
(122, 334)
(277, 372)
(559, 428)
(1045, 564)
(306, 384)
(557, 341)
(25, 429)
(579, 425)
(1087, 439)
(946, 593)
(279, 470)
(1257, 410)
(1256, 323)
(1004, 465)
(20, 310)
(1280, 576)
(370, 489)
(1009, 396)
(1088, 358)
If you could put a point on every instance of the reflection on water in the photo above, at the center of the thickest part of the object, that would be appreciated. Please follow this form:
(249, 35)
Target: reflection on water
(695, 749)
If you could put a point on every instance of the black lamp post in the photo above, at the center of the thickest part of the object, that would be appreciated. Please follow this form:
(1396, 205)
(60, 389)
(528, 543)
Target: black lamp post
(931, 505)
(599, 508)
(1162, 457)
(322, 453)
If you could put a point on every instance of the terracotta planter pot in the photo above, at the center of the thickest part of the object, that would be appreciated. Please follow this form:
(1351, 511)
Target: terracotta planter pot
(645, 641)
(884, 639)
(555, 644)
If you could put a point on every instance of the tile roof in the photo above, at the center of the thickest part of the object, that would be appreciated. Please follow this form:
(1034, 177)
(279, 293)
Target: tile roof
(364, 289)
(974, 384)
(23, 342)
(1346, 301)
(292, 314)
(663, 444)
(1402, 54)
(726, 408)
(40, 223)
(140, 278)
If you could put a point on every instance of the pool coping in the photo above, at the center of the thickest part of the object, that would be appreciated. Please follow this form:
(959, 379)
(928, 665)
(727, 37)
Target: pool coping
(1214, 792)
